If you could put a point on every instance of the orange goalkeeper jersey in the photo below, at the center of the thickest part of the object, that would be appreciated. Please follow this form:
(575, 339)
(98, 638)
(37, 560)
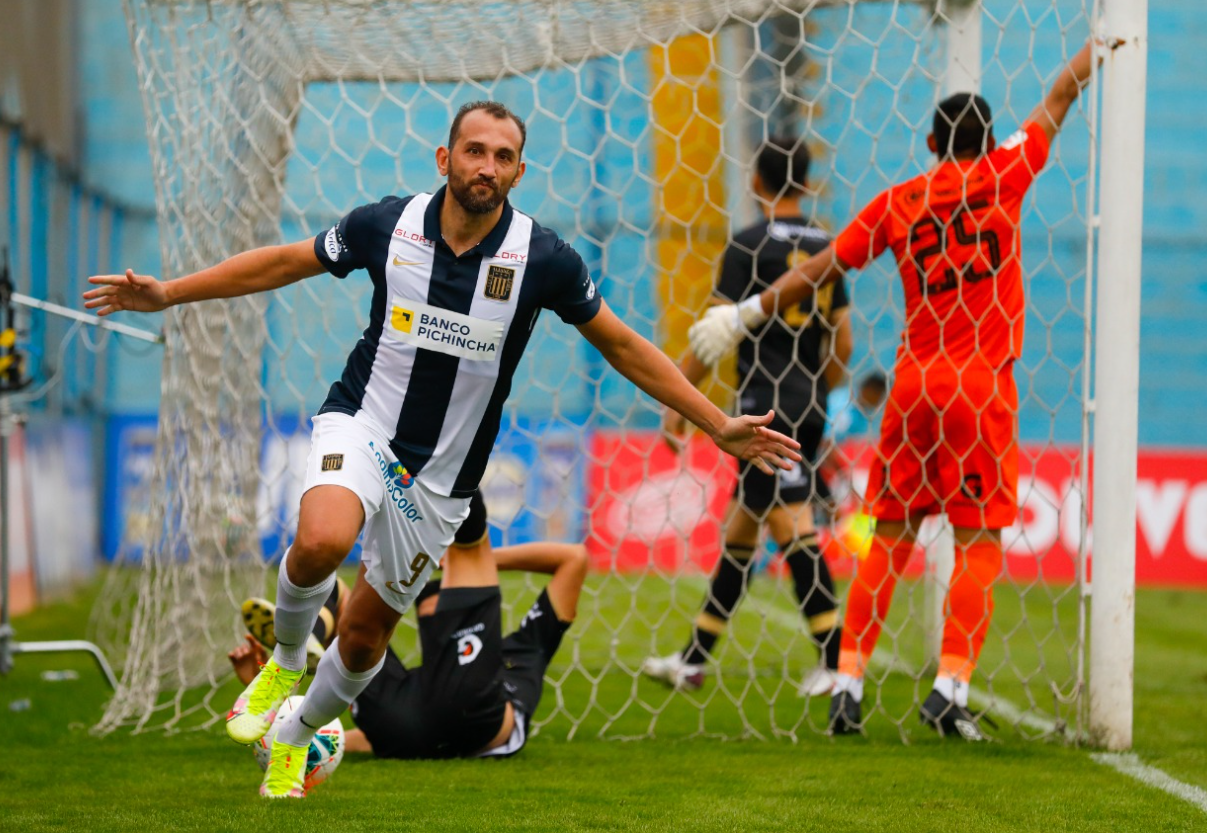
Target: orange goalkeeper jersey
(954, 231)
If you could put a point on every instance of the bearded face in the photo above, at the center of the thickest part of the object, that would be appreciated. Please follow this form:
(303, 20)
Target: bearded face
(477, 194)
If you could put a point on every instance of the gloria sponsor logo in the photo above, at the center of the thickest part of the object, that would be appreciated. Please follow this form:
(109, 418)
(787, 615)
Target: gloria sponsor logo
(397, 480)
(444, 331)
(413, 236)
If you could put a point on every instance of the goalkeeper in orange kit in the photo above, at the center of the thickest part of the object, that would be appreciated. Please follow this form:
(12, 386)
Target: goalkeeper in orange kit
(949, 435)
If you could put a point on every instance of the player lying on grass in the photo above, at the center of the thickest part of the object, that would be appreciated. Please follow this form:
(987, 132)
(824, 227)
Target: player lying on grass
(787, 365)
(476, 691)
(459, 278)
(949, 435)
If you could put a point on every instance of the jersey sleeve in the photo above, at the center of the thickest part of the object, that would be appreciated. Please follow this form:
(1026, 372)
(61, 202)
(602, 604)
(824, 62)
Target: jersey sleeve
(570, 291)
(1022, 156)
(345, 246)
(866, 236)
(737, 268)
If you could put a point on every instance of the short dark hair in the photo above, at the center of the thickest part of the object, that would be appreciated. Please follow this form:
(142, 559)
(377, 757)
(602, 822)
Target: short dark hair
(963, 124)
(499, 111)
(783, 164)
(874, 380)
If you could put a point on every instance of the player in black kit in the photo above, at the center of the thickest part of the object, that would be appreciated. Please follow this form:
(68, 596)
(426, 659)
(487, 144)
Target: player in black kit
(788, 364)
(476, 691)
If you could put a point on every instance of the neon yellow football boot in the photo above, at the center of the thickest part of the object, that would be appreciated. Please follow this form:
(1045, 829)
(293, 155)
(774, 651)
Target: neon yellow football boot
(286, 774)
(256, 708)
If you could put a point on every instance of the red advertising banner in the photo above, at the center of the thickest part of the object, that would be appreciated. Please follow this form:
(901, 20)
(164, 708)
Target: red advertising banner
(652, 509)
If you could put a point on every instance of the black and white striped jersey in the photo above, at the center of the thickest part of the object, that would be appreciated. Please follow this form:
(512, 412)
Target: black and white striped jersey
(445, 334)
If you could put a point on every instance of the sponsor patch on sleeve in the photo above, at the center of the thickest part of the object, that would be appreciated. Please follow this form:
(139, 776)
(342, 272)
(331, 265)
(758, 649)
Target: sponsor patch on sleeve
(334, 244)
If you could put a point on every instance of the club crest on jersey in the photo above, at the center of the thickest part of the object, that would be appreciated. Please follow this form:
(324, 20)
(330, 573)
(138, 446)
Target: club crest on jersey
(468, 648)
(498, 282)
(469, 644)
(333, 462)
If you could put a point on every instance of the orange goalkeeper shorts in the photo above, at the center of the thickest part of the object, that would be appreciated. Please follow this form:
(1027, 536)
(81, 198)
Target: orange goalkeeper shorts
(948, 443)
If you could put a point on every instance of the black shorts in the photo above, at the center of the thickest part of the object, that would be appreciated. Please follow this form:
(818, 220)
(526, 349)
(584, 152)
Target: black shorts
(758, 491)
(453, 704)
(528, 652)
(473, 529)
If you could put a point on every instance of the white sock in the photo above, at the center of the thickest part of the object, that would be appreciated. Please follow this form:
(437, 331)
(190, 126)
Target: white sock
(851, 685)
(953, 689)
(332, 691)
(297, 611)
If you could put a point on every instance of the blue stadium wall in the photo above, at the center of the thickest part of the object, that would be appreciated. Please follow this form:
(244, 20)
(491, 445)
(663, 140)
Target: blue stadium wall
(1173, 361)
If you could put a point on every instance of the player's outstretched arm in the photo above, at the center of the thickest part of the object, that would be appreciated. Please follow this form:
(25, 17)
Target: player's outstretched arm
(647, 367)
(567, 563)
(1050, 113)
(723, 326)
(258, 270)
(674, 426)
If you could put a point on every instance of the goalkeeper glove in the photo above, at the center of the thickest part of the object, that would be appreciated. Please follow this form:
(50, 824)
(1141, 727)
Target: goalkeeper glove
(723, 326)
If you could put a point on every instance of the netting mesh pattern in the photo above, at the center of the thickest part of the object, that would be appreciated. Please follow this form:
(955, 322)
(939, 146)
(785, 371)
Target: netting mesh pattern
(269, 121)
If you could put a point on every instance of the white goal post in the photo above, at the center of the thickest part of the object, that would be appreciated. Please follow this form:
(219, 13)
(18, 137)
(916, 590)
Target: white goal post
(269, 120)
(1124, 35)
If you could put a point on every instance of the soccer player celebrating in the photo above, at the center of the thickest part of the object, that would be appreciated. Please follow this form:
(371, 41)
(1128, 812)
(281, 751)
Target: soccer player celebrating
(476, 691)
(948, 437)
(401, 443)
(787, 365)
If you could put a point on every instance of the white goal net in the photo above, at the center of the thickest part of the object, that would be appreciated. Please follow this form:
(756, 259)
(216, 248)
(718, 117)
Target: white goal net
(270, 120)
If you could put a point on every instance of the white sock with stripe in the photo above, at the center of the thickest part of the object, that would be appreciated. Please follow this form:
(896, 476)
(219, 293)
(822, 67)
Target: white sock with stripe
(297, 611)
(333, 690)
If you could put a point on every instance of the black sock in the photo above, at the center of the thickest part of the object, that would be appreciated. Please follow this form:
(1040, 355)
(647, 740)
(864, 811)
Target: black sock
(724, 593)
(815, 591)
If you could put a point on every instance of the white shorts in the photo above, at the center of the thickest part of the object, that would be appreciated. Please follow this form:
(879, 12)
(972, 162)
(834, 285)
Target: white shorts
(407, 526)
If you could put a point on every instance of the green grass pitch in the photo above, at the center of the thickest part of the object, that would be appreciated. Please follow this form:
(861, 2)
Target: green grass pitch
(54, 775)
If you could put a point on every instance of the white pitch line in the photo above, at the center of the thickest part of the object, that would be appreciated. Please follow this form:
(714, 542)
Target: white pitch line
(1125, 762)
(1129, 764)
(999, 705)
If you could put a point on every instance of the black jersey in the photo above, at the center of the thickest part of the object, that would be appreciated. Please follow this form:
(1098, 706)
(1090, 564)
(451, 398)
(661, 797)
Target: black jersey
(454, 703)
(784, 358)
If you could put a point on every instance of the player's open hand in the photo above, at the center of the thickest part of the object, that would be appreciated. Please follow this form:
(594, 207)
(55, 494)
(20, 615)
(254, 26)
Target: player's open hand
(138, 293)
(674, 429)
(749, 438)
(246, 659)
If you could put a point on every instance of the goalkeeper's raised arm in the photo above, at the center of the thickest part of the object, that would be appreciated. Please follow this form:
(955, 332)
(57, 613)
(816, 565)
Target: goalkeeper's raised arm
(724, 326)
(258, 270)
